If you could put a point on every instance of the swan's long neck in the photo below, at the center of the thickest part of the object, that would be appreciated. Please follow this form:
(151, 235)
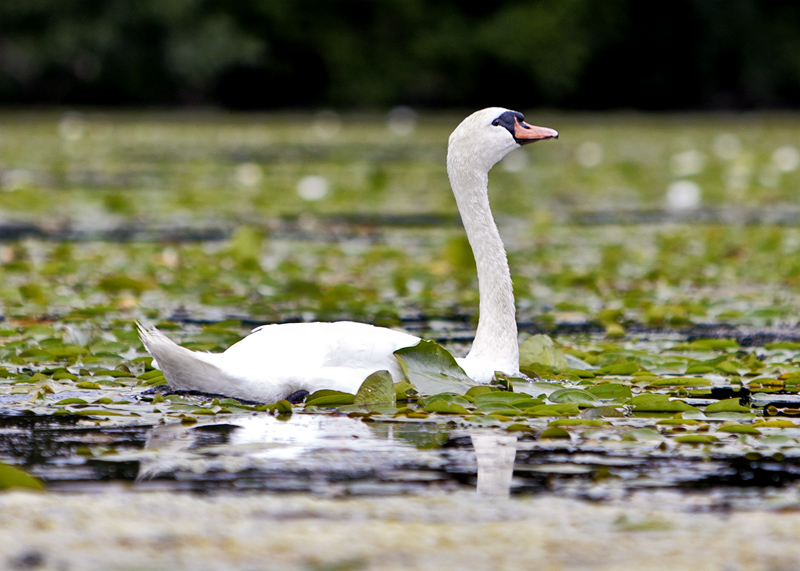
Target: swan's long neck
(495, 342)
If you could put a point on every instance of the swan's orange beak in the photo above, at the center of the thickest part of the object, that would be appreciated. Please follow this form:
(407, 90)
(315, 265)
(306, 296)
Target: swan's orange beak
(524, 133)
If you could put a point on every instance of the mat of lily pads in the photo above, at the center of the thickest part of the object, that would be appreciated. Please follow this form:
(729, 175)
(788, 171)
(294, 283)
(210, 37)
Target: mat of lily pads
(660, 354)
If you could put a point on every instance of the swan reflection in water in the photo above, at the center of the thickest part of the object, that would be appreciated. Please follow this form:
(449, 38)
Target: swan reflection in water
(323, 454)
(495, 453)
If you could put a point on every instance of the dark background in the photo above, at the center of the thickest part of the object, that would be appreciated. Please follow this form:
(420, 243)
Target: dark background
(354, 54)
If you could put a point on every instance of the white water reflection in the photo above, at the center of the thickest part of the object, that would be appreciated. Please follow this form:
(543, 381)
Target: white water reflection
(325, 454)
(495, 454)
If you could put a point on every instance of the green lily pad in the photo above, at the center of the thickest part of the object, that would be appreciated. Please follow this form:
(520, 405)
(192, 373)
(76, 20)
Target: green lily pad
(431, 369)
(680, 382)
(610, 391)
(643, 435)
(554, 432)
(377, 388)
(621, 369)
(727, 405)
(445, 407)
(659, 403)
(13, 477)
(328, 398)
(573, 395)
(739, 429)
(696, 439)
(401, 391)
(564, 409)
(577, 422)
(541, 350)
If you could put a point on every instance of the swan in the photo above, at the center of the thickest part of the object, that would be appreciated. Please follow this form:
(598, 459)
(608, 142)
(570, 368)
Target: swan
(277, 360)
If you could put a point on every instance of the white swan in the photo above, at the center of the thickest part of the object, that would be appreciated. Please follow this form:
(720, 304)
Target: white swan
(276, 360)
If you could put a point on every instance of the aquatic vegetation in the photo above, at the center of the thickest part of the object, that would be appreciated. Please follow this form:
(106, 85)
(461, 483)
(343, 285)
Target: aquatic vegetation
(672, 342)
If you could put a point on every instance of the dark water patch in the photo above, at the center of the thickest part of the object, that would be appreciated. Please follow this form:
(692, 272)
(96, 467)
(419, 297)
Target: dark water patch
(336, 456)
(783, 215)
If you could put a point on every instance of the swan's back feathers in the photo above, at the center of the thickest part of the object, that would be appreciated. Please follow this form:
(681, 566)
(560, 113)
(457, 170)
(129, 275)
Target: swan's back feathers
(276, 360)
(183, 368)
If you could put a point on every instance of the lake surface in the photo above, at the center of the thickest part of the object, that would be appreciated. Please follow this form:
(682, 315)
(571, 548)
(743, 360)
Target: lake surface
(659, 252)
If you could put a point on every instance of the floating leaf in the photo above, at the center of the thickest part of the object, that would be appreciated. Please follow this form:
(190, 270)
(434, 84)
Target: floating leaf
(554, 432)
(431, 369)
(602, 412)
(445, 407)
(580, 373)
(376, 388)
(621, 369)
(283, 407)
(573, 395)
(122, 282)
(446, 403)
(482, 389)
(13, 477)
(610, 391)
(88, 385)
(37, 356)
(327, 398)
(696, 439)
(519, 427)
(739, 429)
(565, 409)
(713, 344)
(659, 403)
(71, 401)
(642, 435)
(577, 422)
(727, 405)
(401, 390)
(541, 350)
(536, 389)
(680, 382)
(678, 421)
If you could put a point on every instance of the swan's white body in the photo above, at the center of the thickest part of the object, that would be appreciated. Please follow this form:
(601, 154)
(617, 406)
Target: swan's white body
(277, 360)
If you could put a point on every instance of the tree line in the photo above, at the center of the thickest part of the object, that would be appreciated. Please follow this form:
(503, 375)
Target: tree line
(264, 54)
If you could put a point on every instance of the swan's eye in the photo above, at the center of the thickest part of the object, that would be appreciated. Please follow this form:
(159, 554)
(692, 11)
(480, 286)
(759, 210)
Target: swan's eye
(496, 122)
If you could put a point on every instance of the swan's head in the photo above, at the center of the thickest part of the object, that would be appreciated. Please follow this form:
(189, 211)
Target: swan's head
(486, 136)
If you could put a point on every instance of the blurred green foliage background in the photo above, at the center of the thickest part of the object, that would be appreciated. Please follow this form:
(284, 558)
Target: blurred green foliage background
(259, 54)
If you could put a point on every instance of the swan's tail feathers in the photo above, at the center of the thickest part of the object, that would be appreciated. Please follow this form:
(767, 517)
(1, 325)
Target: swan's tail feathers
(184, 369)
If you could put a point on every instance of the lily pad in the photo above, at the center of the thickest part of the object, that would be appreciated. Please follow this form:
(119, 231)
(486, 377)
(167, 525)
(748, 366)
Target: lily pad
(610, 391)
(377, 388)
(727, 405)
(554, 432)
(573, 395)
(431, 369)
(659, 403)
(739, 429)
(541, 350)
(327, 398)
(13, 477)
